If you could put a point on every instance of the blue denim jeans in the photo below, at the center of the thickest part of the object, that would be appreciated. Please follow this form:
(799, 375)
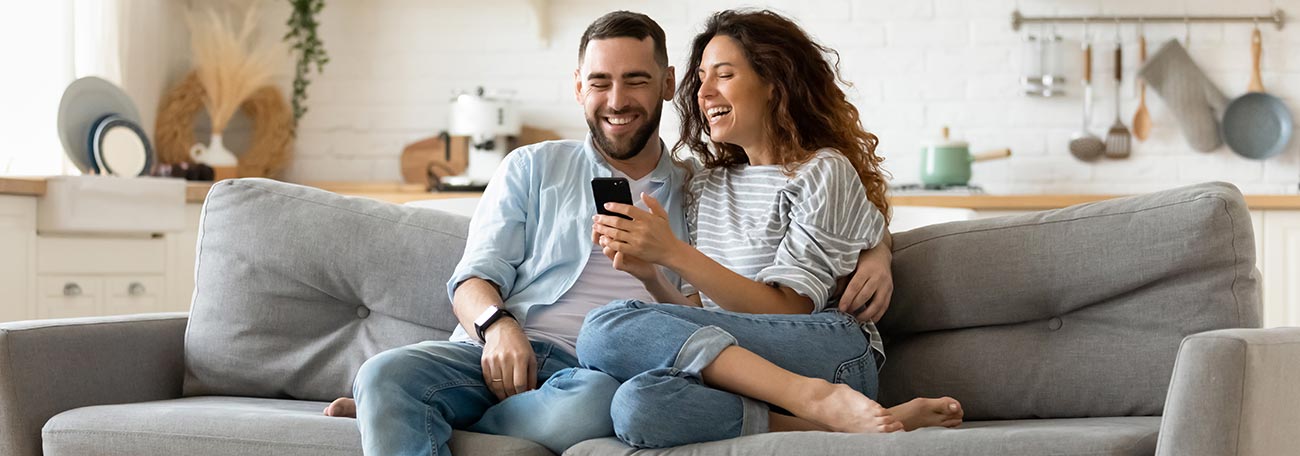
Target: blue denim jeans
(658, 350)
(410, 398)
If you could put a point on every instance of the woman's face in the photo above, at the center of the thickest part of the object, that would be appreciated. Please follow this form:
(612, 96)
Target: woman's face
(734, 99)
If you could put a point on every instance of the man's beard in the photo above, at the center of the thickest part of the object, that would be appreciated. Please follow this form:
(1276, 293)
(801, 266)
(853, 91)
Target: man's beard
(634, 145)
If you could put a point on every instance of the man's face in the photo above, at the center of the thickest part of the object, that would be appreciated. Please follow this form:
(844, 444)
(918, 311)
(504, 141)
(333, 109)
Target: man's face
(622, 90)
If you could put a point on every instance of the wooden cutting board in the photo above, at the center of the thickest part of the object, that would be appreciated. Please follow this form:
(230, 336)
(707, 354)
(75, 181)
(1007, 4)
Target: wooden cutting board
(425, 161)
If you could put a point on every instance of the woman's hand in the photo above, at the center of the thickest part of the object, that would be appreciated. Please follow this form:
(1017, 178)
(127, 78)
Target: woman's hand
(868, 293)
(648, 236)
(644, 271)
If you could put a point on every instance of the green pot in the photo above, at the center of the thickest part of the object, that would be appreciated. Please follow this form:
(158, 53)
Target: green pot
(945, 162)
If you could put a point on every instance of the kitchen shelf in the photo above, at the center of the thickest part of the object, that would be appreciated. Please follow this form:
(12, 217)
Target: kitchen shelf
(1278, 18)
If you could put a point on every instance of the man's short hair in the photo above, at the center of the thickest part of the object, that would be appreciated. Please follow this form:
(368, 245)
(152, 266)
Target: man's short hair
(626, 24)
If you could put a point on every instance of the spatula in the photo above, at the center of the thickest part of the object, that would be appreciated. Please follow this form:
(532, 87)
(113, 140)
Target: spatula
(1118, 138)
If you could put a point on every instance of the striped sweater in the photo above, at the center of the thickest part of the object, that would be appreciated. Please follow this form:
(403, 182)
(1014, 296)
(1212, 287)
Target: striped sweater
(802, 230)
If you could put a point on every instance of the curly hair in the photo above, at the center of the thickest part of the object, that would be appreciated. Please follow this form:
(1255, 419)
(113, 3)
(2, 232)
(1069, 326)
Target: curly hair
(809, 110)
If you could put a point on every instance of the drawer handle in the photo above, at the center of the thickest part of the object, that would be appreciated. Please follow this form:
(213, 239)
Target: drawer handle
(71, 289)
(135, 289)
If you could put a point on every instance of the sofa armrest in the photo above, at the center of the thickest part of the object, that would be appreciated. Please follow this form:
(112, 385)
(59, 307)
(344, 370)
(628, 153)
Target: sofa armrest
(50, 366)
(1234, 393)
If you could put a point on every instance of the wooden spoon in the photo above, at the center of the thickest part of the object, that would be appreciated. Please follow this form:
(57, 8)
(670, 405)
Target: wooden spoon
(1142, 118)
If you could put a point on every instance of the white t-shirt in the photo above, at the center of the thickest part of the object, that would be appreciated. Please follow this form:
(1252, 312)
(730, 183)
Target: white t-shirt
(599, 284)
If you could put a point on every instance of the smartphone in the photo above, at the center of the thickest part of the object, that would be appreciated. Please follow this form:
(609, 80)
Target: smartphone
(611, 190)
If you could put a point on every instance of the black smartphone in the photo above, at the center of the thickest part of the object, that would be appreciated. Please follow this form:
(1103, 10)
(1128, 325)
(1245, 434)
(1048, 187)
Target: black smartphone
(611, 190)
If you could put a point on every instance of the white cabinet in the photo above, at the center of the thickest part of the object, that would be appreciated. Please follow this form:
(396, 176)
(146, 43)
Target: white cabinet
(181, 253)
(86, 276)
(128, 295)
(79, 275)
(17, 257)
(63, 296)
(1257, 225)
(1281, 270)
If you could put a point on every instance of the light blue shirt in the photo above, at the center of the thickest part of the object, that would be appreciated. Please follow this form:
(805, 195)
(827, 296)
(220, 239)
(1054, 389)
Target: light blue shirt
(531, 232)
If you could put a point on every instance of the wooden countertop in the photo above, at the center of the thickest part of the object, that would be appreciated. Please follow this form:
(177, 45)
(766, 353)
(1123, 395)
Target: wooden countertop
(29, 186)
(1045, 201)
(395, 192)
(401, 193)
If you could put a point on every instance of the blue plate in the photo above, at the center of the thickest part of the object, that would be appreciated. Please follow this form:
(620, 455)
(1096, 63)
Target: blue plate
(119, 147)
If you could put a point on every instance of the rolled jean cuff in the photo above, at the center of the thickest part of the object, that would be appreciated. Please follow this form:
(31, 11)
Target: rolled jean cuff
(755, 418)
(701, 348)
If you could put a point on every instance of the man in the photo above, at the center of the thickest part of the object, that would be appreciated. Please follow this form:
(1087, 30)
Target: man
(531, 272)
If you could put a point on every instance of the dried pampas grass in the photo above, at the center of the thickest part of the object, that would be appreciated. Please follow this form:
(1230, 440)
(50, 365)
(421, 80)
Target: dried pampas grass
(228, 64)
(272, 142)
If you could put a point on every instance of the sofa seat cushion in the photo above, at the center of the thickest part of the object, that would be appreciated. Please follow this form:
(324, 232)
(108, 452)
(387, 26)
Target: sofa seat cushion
(1057, 437)
(218, 425)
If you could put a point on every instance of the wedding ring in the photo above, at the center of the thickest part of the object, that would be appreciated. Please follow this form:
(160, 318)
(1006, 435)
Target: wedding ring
(496, 380)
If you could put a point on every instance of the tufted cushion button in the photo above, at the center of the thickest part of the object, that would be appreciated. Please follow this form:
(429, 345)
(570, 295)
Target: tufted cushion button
(363, 312)
(1054, 324)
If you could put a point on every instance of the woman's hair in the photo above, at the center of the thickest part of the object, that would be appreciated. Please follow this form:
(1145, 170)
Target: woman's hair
(809, 110)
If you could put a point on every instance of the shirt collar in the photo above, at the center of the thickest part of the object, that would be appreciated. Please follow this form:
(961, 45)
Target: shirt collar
(662, 173)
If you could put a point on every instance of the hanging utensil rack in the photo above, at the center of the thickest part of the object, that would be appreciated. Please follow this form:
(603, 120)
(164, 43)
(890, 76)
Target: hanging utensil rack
(1278, 18)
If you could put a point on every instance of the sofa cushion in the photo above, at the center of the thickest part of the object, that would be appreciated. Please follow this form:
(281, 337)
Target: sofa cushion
(1074, 312)
(1064, 437)
(295, 287)
(212, 425)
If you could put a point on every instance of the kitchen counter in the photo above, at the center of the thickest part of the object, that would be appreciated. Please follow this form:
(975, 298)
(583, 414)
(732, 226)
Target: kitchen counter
(28, 186)
(1048, 201)
(399, 193)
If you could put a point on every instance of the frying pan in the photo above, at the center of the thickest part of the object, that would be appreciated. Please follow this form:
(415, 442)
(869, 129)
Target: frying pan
(1256, 125)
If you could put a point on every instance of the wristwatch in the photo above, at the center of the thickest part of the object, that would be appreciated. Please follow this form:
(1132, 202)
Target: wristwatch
(487, 318)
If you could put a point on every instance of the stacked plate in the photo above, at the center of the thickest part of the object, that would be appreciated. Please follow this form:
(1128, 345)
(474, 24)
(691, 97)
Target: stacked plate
(100, 130)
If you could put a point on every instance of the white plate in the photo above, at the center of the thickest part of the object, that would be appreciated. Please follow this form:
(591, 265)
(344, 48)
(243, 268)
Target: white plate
(85, 101)
(120, 148)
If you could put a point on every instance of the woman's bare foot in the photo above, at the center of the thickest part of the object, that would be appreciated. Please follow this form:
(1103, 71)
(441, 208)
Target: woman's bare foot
(925, 412)
(839, 408)
(343, 407)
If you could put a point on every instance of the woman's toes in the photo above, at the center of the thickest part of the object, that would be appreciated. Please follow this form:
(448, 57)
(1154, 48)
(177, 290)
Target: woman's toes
(952, 408)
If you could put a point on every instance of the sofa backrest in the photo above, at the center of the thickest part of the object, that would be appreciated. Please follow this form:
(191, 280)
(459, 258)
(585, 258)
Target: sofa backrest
(295, 287)
(1074, 312)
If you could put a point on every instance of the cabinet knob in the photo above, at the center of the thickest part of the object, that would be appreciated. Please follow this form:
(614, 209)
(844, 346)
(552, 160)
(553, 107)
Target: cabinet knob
(135, 289)
(71, 289)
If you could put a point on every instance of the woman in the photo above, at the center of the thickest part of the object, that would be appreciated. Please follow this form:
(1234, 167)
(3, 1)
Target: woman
(790, 191)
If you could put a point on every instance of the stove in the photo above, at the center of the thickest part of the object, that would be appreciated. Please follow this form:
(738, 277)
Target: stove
(913, 189)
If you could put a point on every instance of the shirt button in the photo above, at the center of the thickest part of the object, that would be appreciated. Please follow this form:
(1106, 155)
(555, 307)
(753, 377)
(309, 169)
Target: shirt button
(1054, 324)
(363, 312)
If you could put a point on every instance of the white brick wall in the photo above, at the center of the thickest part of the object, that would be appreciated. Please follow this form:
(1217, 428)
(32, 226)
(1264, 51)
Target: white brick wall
(916, 65)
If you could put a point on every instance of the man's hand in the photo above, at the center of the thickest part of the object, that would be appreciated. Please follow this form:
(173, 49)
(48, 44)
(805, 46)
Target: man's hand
(509, 364)
(872, 286)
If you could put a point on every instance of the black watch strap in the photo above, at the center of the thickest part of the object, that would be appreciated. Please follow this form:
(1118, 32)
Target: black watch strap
(482, 329)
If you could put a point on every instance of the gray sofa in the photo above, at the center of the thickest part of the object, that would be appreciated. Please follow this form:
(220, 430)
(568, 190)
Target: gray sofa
(1066, 332)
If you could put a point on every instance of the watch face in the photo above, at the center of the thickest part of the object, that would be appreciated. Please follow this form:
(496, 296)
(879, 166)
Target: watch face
(485, 316)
